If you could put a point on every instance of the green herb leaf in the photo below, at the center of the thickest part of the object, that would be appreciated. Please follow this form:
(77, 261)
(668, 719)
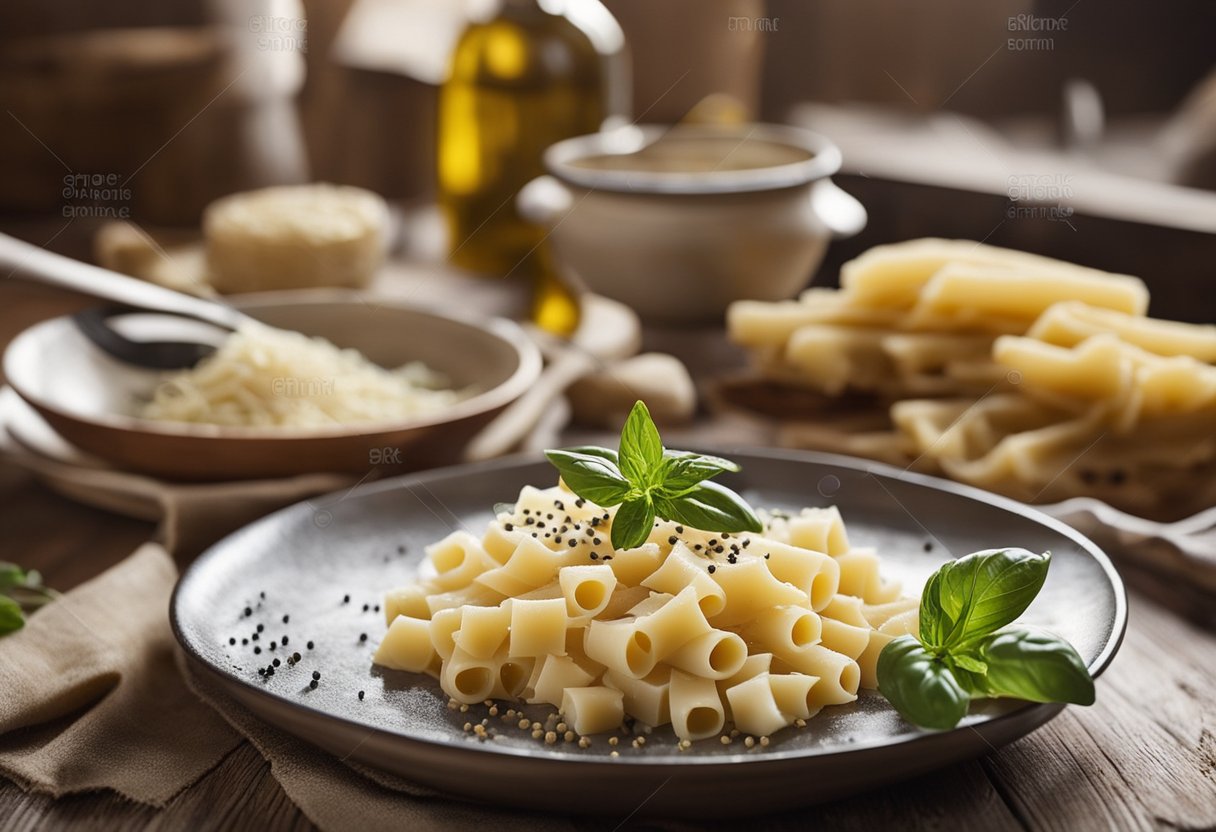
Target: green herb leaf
(920, 685)
(984, 591)
(712, 507)
(591, 477)
(11, 616)
(935, 625)
(641, 450)
(1037, 666)
(682, 471)
(969, 663)
(632, 523)
(596, 450)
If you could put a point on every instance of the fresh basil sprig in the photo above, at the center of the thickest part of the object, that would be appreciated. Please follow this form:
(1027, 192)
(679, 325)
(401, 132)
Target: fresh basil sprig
(963, 653)
(21, 591)
(648, 481)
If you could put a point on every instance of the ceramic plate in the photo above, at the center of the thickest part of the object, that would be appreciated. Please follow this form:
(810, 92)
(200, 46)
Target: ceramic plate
(308, 558)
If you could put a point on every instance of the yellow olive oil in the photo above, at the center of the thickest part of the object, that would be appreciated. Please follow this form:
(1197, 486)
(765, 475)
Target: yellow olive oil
(519, 82)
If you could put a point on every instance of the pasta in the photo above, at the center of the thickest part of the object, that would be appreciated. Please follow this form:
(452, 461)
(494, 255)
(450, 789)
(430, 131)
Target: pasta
(1039, 379)
(690, 629)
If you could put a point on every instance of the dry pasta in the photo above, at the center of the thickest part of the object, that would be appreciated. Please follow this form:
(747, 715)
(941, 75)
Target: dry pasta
(691, 629)
(1033, 377)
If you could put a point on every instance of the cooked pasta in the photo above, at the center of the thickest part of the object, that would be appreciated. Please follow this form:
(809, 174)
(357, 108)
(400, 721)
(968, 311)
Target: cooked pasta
(266, 377)
(691, 628)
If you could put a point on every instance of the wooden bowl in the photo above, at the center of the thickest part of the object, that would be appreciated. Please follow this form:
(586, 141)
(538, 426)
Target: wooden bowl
(90, 398)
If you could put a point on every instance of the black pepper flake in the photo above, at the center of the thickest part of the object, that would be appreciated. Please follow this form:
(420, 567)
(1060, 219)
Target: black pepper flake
(270, 671)
(697, 547)
(248, 611)
(244, 641)
(557, 540)
(540, 524)
(284, 640)
(731, 558)
(272, 645)
(534, 534)
(309, 645)
(596, 541)
(549, 516)
(276, 662)
(262, 595)
(712, 569)
(261, 671)
(595, 555)
(313, 684)
(360, 696)
(257, 650)
(928, 546)
(557, 504)
(747, 542)
(316, 674)
(607, 557)
(673, 540)
(767, 555)
(345, 599)
(295, 657)
(232, 641)
(254, 637)
(713, 541)
(362, 636)
(375, 608)
(509, 527)
(719, 549)
(261, 627)
(580, 502)
(401, 549)
(286, 618)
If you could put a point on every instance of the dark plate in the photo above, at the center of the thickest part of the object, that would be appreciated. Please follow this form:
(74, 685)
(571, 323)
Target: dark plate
(306, 558)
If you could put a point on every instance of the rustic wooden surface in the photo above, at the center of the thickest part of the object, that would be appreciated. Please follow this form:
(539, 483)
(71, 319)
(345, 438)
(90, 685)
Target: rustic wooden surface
(1143, 757)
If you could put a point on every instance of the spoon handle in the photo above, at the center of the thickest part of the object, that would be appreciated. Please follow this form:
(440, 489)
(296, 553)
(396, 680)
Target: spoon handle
(30, 261)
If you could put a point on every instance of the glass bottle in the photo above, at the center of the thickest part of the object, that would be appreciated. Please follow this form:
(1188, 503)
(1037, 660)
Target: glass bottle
(537, 72)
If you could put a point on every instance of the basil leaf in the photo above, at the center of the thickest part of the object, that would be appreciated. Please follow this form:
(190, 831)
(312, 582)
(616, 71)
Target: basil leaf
(934, 623)
(920, 685)
(710, 507)
(984, 591)
(1037, 666)
(683, 470)
(641, 451)
(11, 616)
(969, 663)
(595, 450)
(632, 523)
(591, 477)
(12, 575)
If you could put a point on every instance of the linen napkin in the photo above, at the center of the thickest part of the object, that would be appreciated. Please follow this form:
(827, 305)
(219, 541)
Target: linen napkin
(90, 696)
(337, 794)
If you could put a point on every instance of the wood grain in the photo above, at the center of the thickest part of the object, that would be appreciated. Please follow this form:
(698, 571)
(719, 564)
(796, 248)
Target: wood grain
(1143, 757)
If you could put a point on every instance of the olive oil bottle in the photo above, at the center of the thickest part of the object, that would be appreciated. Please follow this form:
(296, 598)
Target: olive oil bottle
(538, 72)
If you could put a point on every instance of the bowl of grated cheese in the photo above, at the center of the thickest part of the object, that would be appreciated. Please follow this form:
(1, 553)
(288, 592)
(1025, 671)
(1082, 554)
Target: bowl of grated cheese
(325, 382)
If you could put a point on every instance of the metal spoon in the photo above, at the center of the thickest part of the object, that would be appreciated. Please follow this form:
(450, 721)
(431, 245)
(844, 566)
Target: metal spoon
(30, 261)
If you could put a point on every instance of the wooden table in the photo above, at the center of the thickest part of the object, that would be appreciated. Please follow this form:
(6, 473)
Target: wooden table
(1144, 756)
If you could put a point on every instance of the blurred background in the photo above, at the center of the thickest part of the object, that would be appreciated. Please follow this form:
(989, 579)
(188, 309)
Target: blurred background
(1085, 131)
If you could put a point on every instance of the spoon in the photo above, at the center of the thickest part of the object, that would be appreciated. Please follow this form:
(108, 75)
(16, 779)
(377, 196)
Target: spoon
(30, 261)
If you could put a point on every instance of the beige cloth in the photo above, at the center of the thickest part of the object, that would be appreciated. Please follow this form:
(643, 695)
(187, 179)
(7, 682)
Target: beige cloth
(90, 697)
(340, 795)
(94, 698)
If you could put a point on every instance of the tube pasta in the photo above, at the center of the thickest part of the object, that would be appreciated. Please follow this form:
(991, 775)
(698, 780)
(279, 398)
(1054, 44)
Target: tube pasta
(692, 628)
(696, 709)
